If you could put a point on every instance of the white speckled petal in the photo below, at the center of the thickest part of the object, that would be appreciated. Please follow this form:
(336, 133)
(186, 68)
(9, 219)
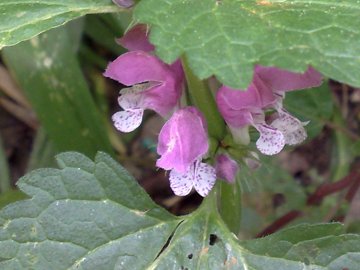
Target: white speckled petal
(292, 128)
(127, 121)
(130, 98)
(181, 183)
(205, 177)
(271, 140)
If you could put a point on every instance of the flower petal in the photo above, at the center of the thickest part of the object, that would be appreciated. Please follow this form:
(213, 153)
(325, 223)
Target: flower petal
(136, 39)
(226, 168)
(257, 95)
(181, 183)
(237, 106)
(205, 177)
(130, 98)
(182, 140)
(283, 80)
(138, 67)
(271, 140)
(127, 121)
(292, 128)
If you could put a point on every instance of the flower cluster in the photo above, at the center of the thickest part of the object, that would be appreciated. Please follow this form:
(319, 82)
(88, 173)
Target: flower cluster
(267, 91)
(183, 140)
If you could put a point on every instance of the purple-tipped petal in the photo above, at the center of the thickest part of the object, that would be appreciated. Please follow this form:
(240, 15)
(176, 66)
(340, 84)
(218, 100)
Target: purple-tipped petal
(127, 121)
(181, 183)
(292, 128)
(281, 80)
(226, 168)
(182, 140)
(271, 140)
(136, 39)
(204, 179)
(138, 67)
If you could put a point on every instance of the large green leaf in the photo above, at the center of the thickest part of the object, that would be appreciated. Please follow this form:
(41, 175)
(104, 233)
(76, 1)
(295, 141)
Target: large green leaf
(47, 69)
(93, 215)
(227, 37)
(23, 19)
(86, 215)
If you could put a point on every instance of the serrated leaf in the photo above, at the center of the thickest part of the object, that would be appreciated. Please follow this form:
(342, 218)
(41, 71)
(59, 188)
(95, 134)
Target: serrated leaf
(227, 37)
(86, 215)
(47, 69)
(24, 19)
(93, 215)
(203, 242)
(320, 245)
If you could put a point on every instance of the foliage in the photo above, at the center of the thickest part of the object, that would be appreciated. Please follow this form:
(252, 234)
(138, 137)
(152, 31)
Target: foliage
(92, 214)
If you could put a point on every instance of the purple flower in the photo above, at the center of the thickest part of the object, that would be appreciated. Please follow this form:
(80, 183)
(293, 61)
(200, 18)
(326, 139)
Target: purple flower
(182, 144)
(267, 90)
(136, 39)
(154, 85)
(226, 168)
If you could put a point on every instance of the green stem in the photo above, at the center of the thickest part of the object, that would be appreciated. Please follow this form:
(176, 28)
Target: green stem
(342, 150)
(230, 205)
(203, 99)
(224, 198)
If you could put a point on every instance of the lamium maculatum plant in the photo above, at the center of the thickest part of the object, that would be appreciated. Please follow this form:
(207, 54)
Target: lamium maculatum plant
(237, 87)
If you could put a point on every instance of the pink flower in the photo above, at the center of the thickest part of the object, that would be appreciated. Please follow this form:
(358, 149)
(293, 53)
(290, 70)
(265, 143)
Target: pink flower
(136, 39)
(226, 168)
(182, 144)
(154, 85)
(267, 90)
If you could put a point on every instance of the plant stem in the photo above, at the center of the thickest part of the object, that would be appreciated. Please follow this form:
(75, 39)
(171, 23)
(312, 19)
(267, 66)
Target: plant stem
(203, 99)
(230, 205)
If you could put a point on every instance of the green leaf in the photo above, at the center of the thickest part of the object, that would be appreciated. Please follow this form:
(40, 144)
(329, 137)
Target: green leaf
(22, 20)
(320, 245)
(203, 242)
(227, 37)
(86, 215)
(93, 215)
(47, 69)
(314, 105)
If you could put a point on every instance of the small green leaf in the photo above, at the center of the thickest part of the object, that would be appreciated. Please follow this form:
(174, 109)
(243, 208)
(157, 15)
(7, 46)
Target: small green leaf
(228, 37)
(47, 69)
(22, 20)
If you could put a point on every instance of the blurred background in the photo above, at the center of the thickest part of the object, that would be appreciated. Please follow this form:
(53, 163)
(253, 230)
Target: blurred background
(53, 98)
